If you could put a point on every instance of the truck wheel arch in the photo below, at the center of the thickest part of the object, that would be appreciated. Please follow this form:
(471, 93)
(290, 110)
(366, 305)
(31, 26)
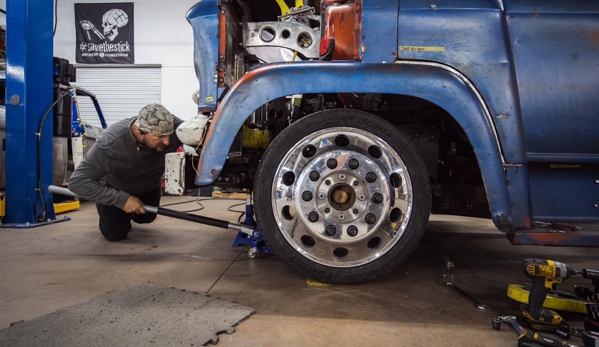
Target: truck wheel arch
(434, 82)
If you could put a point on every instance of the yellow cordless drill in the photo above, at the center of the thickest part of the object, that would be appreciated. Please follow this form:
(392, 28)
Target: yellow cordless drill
(545, 276)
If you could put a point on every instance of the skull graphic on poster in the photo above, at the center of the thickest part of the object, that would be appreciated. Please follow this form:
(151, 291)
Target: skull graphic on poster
(112, 21)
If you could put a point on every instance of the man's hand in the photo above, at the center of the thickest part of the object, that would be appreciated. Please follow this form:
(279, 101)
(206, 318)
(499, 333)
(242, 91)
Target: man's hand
(134, 205)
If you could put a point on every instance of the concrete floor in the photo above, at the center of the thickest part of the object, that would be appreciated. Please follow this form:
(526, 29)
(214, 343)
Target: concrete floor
(47, 268)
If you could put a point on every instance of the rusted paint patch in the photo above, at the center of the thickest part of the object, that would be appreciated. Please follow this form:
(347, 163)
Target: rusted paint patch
(504, 224)
(571, 239)
(595, 38)
(344, 23)
(222, 46)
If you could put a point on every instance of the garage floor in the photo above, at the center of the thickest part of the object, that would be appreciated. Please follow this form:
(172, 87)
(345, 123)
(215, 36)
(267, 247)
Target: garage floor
(47, 268)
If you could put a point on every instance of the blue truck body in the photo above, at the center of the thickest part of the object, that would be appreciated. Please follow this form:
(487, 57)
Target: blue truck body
(518, 77)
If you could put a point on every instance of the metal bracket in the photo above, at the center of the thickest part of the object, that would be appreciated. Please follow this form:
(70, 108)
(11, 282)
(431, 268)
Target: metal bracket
(292, 35)
(296, 12)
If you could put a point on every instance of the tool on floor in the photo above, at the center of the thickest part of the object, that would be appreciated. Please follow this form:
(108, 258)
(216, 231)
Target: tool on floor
(561, 300)
(249, 230)
(591, 324)
(555, 300)
(545, 275)
(448, 279)
(592, 275)
(590, 339)
(528, 338)
(591, 321)
(585, 294)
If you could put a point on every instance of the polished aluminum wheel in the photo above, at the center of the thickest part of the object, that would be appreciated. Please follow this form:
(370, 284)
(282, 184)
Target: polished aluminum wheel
(342, 197)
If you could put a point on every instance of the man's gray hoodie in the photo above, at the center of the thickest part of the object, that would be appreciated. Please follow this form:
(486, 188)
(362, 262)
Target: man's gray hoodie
(118, 166)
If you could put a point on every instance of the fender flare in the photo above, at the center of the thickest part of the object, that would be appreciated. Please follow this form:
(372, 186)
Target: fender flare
(436, 83)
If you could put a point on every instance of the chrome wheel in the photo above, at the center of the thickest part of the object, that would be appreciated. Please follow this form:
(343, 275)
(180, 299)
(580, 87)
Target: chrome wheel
(343, 197)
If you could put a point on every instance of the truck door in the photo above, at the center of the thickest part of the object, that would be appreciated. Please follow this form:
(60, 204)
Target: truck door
(555, 47)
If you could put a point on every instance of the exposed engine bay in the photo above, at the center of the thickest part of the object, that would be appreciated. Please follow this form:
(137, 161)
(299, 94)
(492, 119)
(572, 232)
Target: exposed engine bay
(281, 33)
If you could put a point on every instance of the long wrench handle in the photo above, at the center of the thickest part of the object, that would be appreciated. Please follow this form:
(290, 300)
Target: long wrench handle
(219, 223)
(174, 214)
(476, 303)
(188, 216)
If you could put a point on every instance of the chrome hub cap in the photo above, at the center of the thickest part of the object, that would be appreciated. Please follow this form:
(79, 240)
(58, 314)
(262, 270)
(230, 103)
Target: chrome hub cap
(342, 197)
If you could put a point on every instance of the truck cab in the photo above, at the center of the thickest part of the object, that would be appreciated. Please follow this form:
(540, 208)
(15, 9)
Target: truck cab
(354, 120)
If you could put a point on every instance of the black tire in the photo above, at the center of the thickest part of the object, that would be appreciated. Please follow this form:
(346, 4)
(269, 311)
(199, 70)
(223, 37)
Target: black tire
(347, 256)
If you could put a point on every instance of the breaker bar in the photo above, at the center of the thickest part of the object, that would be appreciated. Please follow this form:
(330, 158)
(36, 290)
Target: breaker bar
(219, 223)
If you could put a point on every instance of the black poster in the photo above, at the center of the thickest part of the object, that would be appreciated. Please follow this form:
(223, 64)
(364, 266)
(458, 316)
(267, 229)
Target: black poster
(104, 33)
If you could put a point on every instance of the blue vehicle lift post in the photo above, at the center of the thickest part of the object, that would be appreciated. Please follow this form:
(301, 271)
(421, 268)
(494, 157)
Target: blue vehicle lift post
(29, 92)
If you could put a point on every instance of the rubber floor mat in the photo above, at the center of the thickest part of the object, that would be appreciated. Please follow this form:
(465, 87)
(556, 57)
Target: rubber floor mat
(141, 315)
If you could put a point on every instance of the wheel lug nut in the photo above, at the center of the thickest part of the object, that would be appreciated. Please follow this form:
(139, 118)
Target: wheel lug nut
(309, 151)
(332, 163)
(352, 231)
(327, 210)
(342, 177)
(327, 182)
(355, 211)
(307, 196)
(356, 183)
(370, 218)
(361, 197)
(341, 217)
(377, 198)
(354, 164)
(321, 196)
(314, 175)
(313, 217)
(330, 230)
(371, 177)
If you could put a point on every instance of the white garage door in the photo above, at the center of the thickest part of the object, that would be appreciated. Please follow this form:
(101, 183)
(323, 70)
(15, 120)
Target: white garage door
(121, 91)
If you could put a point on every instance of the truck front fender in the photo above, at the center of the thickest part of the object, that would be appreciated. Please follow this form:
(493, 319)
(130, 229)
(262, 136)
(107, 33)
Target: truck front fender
(433, 82)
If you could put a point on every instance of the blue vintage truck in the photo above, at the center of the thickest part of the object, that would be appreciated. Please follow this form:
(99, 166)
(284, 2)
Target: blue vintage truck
(380, 112)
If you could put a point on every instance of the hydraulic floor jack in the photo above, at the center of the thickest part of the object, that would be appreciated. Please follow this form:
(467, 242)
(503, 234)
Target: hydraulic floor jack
(256, 240)
(247, 231)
